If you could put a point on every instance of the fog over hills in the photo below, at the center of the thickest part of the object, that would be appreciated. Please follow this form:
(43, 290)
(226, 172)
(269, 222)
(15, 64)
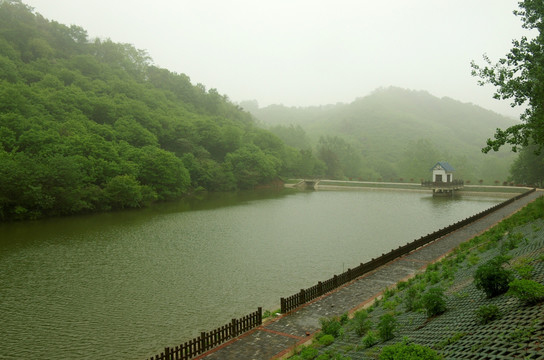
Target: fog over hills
(398, 133)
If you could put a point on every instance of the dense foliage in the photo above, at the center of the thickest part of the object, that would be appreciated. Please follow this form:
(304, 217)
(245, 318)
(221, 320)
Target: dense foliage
(527, 290)
(90, 125)
(393, 134)
(528, 168)
(434, 301)
(387, 326)
(330, 326)
(520, 77)
(492, 278)
(406, 350)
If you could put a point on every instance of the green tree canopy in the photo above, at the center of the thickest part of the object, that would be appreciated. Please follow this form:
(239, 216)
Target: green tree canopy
(520, 77)
(528, 169)
(91, 125)
(251, 166)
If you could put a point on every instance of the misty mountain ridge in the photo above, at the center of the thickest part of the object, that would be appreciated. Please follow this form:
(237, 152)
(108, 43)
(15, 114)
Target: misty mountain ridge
(381, 100)
(387, 123)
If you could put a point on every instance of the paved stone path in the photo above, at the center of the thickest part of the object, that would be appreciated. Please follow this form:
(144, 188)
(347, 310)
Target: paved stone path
(276, 338)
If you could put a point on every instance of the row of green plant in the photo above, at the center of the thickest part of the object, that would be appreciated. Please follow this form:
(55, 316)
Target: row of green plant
(425, 293)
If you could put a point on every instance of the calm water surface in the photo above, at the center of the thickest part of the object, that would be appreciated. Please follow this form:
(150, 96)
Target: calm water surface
(124, 285)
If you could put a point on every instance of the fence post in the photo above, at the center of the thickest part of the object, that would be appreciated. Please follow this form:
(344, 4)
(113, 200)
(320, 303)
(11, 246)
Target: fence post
(167, 353)
(335, 281)
(234, 331)
(259, 315)
(203, 342)
(349, 275)
(302, 297)
(283, 307)
(320, 288)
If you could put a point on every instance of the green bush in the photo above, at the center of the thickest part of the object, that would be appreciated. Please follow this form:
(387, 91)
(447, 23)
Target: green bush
(528, 291)
(448, 272)
(332, 356)
(344, 318)
(309, 353)
(525, 271)
(411, 299)
(361, 324)
(434, 301)
(523, 268)
(408, 351)
(511, 242)
(370, 339)
(391, 304)
(460, 257)
(326, 340)
(473, 259)
(331, 326)
(387, 326)
(401, 285)
(492, 278)
(487, 313)
(389, 293)
(432, 277)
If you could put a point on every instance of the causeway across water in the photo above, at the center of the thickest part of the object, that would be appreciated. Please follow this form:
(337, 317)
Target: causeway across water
(275, 339)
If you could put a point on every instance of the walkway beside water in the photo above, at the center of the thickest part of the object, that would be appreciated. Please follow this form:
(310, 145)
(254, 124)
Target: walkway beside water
(276, 339)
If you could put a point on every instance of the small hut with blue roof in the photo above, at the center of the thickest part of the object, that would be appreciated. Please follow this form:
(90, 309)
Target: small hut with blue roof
(442, 172)
(443, 183)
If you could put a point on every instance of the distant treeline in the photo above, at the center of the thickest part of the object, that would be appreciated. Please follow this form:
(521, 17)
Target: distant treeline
(91, 125)
(393, 134)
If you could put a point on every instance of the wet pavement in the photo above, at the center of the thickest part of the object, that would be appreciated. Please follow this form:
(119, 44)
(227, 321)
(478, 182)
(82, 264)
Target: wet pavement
(276, 338)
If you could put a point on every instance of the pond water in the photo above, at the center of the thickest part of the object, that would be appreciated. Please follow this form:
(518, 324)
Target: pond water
(126, 284)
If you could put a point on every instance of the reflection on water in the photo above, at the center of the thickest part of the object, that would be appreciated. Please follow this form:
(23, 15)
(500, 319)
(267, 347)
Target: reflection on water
(126, 284)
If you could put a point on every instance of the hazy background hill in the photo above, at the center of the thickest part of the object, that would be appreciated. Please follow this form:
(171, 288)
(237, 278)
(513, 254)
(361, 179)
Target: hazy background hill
(393, 133)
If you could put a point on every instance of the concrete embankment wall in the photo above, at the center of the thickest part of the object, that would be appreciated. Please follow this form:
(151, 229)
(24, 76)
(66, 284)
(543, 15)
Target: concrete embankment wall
(469, 190)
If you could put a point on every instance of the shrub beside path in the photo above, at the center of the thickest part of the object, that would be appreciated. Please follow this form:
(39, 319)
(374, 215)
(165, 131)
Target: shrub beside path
(276, 338)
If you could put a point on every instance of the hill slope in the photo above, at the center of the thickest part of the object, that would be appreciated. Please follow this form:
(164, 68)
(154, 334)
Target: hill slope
(90, 125)
(402, 133)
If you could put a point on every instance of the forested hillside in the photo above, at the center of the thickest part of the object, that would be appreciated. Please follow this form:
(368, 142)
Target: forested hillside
(91, 125)
(394, 133)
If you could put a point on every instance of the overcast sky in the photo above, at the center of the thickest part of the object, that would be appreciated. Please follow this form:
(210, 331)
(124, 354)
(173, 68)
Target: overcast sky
(309, 52)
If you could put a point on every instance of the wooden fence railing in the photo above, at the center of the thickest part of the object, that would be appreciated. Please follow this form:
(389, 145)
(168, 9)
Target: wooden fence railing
(208, 340)
(306, 295)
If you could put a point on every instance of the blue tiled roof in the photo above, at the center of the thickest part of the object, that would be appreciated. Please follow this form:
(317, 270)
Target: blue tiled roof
(444, 165)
